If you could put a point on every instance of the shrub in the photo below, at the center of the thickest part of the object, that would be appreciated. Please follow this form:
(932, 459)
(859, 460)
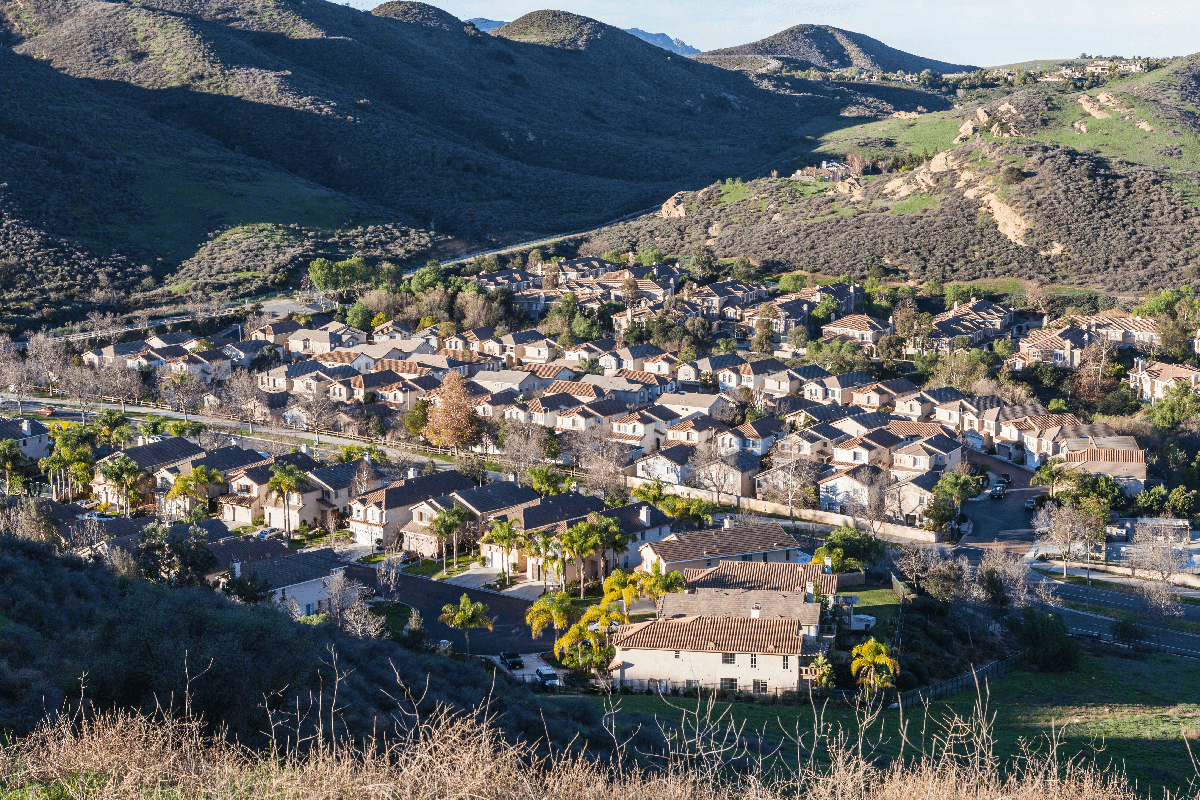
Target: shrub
(1048, 646)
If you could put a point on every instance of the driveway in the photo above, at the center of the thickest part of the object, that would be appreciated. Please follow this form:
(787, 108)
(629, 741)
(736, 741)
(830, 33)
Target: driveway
(1003, 524)
(509, 631)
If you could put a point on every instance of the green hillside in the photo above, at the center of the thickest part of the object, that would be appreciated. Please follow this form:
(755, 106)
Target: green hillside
(1095, 188)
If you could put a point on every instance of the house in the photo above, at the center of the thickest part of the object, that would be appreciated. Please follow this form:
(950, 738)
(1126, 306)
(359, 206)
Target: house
(870, 448)
(514, 279)
(692, 373)
(734, 474)
(695, 429)
(815, 443)
(783, 383)
(225, 460)
(976, 419)
(920, 407)
(1123, 330)
(237, 554)
(908, 498)
(299, 578)
(469, 340)
(978, 321)
(656, 385)
(883, 394)
(513, 345)
(494, 406)
(745, 604)
(750, 375)
(742, 540)
(523, 383)
(313, 342)
(379, 517)
(936, 453)
(244, 502)
(631, 393)
(241, 354)
(277, 333)
(781, 482)
(339, 484)
(715, 296)
(836, 389)
(687, 404)
(546, 374)
(632, 358)
(31, 436)
(670, 464)
(663, 365)
(319, 382)
(856, 490)
(760, 655)
(589, 350)
(283, 378)
(1151, 380)
(484, 503)
(860, 328)
(646, 429)
(119, 354)
(773, 576)
(438, 365)
(207, 367)
(555, 513)
(1060, 348)
(185, 339)
(1118, 457)
(358, 361)
(391, 331)
(752, 437)
(582, 392)
(149, 458)
(817, 414)
(862, 424)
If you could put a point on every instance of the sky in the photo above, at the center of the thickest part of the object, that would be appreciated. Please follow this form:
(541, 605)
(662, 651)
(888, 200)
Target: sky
(978, 32)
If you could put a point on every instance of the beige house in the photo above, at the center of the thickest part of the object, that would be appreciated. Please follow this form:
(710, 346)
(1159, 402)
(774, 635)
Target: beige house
(246, 499)
(380, 516)
(938, 453)
(865, 330)
(1151, 380)
(908, 498)
(762, 540)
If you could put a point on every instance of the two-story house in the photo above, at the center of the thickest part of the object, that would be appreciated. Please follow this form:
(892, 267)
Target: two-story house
(379, 517)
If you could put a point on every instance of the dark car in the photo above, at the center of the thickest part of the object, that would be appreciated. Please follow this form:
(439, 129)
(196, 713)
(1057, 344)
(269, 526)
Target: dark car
(976, 469)
(1031, 504)
(998, 492)
(1005, 478)
(577, 680)
(548, 677)
(511, 661)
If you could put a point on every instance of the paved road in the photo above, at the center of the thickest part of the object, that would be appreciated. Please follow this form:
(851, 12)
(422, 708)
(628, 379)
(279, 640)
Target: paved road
(509, 631)
(999, 523)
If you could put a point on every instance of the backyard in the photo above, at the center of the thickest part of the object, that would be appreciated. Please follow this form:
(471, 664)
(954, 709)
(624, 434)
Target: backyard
(1132, 711)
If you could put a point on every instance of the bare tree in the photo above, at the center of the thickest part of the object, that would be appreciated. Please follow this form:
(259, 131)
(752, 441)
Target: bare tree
(602, 458)
(16, 373)
(710, 469)
(1012, 574)
(791, 481)
(47, 358)
(242, 397)
(1064, 526)
(320, 410)
(82, 384)
(348, 607)
(180, 391)
(122, 383)
(524, 446)
(914, 563)
(1160, 549)
(84, 535)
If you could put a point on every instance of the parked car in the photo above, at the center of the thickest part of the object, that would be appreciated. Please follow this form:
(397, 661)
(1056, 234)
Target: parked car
(511, 661)
(1031, 504)
(44, 411)
(998, 492)
(267, 533)
(976, 469)
(1005, 478)
(548, 677)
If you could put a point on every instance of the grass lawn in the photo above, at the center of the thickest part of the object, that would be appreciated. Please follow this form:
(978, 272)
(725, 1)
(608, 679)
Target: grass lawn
(1127, 710)
(876, 601)
(374, 558)
(1110, 586)
(395, 614)
(433, 568)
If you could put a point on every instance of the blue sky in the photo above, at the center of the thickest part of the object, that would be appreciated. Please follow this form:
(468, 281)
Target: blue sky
(977, 32)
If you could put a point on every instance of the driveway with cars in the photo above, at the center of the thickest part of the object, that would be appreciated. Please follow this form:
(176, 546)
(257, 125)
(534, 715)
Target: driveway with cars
(1003, 523)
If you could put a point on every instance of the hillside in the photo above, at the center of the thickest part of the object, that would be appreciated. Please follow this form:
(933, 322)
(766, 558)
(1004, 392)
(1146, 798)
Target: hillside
(828, 48)
(1095, 189)
(181, 120)
(664, 41)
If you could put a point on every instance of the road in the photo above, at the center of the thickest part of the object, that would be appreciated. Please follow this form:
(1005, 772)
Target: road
(1003, 523)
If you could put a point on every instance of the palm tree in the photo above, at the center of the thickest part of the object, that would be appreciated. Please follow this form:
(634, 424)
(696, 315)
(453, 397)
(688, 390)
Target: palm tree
(465, 616)
(550, 610)
(610, 537)
(653, 492)
(153, 425)
(286, 480)
(10, 459)
(195, 484)
(125, 476)
(1054, 474)
(579, 542)
(873, 664)
(506, 535)
(623, 586)
(654, 583)
(446, 525)
(541, 545)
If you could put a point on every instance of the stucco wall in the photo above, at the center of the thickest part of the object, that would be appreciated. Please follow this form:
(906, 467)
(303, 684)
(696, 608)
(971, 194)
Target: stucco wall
(643, 665)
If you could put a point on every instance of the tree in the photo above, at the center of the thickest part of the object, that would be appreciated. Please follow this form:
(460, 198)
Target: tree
(242, 397)
(176, 559)
(873, 665)
(446, 525)
(195, 485)
(11, 459)
(465, 616)
(602, 458)
(359, 316)
(546, 481)
(286, 480)
(654, 583)
(181, 392)
(82, 384)
(507, 535)
(543, 546)
(16, 372)
(125, 476)
(453, 422)
(1055, 474)
(523, 444)
(956, 487)
(857, 545)
(249, 589)
(580, 541)
(553, 609)
(1065, 526)
(417, 418)
(1159, 549)
(792, 480)
(1179, 404)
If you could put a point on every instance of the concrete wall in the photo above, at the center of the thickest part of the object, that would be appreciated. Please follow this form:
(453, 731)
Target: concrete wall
(706, 668)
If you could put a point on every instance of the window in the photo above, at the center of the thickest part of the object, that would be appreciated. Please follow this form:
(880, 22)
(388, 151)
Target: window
(858, 455)
(691, 684)
(760, 687)
(677, 654)
(708, 562)
(728, 658)
(754, 661)
(729, 684)
(785, 662)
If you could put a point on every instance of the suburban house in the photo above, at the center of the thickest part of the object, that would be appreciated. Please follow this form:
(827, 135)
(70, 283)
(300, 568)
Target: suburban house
(149, 458)
(1118, 457)
(631, 393)
(646, 429)
(751, 375)
(691, 372)
(379, 517)
(555, 513)
(937, 453)
(339, 484)
(732, 474)
(1059, 348)
(870, 448)
(670, 464)
(752, 437)
(1123, 330)
(225, 460)
(1151, 380)
(299, 578)
(860, 328)
(857, 490)
(815, 443)
(836, 389)
(772, 576)
(978, 321)
(484, 503)
(633, 358)
(695, 430)
(245, 500)
(744, 603)
(523, 383)
(748, 654)
(687, 404)
(547, 374)
(763, 540)
(908, 498)
(883, 394)
(31, 436)
(921, 406)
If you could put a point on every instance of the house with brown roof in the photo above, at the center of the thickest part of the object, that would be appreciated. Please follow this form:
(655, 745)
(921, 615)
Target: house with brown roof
(884, 393)
(1062, 347)
(752, 437)
(246, 499)
(762, 655)
(1118, 457)
(1122, 329)
(837, 389)
(864, 330)
(351, 358)
(583, 392)
(742, 540)
(978, 321)
(646, 429)
(874, 447)
(380, 516)
(695, 430)
(751, 375)
(547, 374)
(1151, 380)
(773, 576)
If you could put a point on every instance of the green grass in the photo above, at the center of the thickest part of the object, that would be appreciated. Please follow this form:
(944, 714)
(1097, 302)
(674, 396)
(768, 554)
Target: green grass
(1111, 586)
(914, 204)
(373, 558)
(1120, 709)
(876, 601)
(734, 192)
(433, 568)
(395, 614)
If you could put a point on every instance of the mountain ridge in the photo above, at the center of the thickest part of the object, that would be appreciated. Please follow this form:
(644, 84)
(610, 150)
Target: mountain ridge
(665, 41)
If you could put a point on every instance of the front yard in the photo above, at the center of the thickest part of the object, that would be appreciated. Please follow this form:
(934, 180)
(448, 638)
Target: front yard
(431, 568)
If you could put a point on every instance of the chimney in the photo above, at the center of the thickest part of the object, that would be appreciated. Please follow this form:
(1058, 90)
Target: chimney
(756, 611)
(413, 472)
(26, 427)
(955, 306)
(644, 514)
(367, 457)
(304, 449)
(236, 567)
(828, 565)
(728, 523)
(810, 592)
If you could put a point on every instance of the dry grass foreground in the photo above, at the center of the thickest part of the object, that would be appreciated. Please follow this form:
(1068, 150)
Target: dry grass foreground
(127, 755)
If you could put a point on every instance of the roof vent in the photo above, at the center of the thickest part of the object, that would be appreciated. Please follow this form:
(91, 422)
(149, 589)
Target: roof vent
(756, 611)
(728, 523)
